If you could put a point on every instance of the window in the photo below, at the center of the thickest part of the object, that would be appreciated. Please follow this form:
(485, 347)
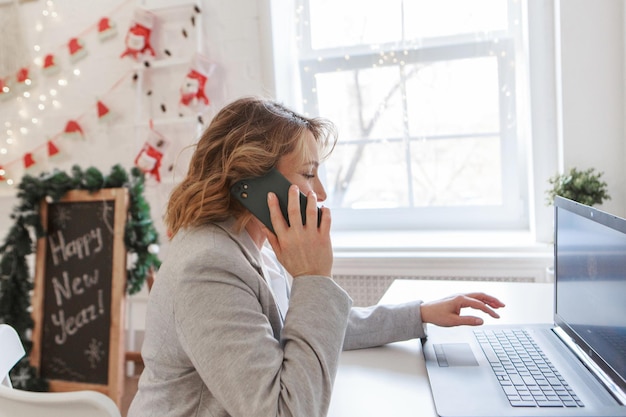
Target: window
(429, 97)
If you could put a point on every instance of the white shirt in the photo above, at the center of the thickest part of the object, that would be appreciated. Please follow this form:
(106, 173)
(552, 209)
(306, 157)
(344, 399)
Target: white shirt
(278, 279)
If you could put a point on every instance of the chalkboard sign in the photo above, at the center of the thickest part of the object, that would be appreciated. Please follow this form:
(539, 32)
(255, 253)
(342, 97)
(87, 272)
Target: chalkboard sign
(78, 300)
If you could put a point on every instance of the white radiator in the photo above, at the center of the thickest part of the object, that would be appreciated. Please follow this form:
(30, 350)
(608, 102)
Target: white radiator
(366, 290)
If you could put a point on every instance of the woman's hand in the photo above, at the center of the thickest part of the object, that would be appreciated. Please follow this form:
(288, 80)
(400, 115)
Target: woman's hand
(447, 312)
(301, 249)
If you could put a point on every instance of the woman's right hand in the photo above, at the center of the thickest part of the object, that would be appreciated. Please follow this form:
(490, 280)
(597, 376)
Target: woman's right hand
(301, 249)
(447, 311)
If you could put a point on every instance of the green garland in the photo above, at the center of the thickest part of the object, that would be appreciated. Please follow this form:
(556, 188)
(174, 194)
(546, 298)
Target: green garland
(16, 282)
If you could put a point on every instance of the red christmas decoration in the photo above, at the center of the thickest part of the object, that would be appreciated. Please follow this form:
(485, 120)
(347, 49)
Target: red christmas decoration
(102, 110)
(2, 172)
(150, 156)
(4, 89)
(22, 76)
(192, 92)
(28, 160)
(138, 36)
(72, 128)
(49, 65)
(106, 29)
(77, 49)
(149, 160)
(193, 88)
(52, 149)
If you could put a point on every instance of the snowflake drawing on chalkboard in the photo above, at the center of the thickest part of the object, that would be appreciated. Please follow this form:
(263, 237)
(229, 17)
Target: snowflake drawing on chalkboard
(20, 379)
(94, 353)
(62, 217)
(106, 212)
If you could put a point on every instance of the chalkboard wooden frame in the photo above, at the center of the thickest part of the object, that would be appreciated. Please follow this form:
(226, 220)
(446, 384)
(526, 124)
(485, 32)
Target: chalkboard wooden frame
(114, 385)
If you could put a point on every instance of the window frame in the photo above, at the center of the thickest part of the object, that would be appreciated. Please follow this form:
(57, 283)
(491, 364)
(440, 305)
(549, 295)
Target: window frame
(539, 153)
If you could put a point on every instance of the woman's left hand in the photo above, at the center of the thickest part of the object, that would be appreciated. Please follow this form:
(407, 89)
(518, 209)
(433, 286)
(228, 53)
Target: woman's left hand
(447, 311)
(301, 249)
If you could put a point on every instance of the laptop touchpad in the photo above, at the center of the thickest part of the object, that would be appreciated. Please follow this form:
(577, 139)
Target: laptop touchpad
(454, 354)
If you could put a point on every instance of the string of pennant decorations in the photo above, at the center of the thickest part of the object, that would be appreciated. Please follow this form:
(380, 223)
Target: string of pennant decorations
(138, 47)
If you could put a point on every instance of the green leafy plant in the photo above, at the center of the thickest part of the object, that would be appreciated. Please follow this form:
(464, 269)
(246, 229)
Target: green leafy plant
(586, 187)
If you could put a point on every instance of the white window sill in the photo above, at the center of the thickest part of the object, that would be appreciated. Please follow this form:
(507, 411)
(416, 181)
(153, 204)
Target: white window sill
(437, 241)
(442, 255)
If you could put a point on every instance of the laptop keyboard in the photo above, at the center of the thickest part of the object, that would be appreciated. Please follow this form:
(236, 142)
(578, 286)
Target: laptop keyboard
(526, 375)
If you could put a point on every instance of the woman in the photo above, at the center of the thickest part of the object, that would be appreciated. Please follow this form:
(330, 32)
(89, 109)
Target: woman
(237, 327)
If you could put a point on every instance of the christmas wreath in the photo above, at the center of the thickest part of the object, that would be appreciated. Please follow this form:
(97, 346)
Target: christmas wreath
(16, 282)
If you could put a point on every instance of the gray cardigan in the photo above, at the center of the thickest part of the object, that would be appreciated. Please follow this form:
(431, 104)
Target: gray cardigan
(216, 345)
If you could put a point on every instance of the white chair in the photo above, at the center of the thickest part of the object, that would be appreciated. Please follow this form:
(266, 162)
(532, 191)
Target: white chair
(12, 351)
(15, 402)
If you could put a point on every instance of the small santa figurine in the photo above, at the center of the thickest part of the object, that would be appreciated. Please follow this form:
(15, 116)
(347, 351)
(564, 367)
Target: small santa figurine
(192, 91)
(150, 156)
(138, 36)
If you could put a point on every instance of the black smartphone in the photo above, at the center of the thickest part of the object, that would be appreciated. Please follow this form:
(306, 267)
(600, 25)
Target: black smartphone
(252, 193)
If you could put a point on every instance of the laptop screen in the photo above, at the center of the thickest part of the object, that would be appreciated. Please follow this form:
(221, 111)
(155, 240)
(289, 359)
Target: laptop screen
(590, 273)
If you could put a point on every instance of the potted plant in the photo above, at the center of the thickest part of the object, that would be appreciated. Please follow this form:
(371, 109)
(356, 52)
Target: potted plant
(585, 187)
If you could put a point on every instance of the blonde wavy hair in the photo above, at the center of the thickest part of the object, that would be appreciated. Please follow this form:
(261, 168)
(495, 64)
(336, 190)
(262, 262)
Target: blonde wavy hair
(245, 139)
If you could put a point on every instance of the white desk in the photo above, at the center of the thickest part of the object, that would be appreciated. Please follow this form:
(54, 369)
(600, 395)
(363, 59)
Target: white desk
(391, 380)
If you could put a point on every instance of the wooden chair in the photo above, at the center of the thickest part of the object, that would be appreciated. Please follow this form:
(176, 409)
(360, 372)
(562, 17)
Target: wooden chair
(15, 402)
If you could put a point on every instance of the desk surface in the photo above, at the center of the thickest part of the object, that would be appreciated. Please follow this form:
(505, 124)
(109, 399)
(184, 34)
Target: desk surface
(391, 380)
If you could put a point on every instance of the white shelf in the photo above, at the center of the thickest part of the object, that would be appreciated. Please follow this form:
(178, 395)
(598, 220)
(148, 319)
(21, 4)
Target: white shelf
(162, 63)
(158, 5)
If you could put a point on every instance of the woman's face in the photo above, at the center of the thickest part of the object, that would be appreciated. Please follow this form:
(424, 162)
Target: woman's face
(304, 173)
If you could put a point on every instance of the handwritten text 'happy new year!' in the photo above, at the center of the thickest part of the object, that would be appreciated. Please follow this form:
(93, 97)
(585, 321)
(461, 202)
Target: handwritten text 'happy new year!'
(66, 287)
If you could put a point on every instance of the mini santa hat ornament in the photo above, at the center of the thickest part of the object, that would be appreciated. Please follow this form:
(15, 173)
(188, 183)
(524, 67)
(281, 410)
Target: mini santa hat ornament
(50, 66)
(23, 78)
(77, 49)
(103, 111)
(52, 148)
(106, 29)
(192, 92)
(5, 90)
(73, 129)
(28, 160)
(138, 36)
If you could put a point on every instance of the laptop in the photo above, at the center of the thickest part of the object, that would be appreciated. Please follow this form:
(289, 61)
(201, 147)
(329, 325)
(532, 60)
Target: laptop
(575, 366)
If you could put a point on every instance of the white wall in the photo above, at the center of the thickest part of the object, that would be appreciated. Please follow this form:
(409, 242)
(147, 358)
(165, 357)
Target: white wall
(591, 102)
(231, 38)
